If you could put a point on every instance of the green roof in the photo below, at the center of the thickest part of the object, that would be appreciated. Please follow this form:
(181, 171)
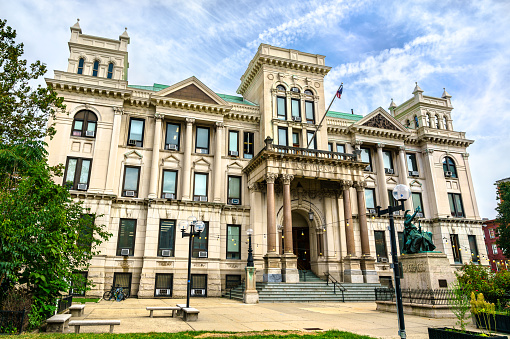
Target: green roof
(154, 88)
(341, 115)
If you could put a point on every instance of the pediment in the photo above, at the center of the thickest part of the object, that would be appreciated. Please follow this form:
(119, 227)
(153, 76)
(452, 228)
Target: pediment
(235, 166)
(193, 90)
(370, 178)
(391, 180)
(202, 165)
(415, 183)
(170, 162)
(133, 158)
(379, 118)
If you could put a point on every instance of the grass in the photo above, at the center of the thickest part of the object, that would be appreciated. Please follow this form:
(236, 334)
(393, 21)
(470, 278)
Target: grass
(204, 334)
(85, 300)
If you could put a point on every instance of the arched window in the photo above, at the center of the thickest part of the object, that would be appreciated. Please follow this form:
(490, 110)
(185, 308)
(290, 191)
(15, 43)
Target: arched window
(295, 90)
(449, 168)
(416, 123)
(80, 65)
(408, 123)
(438, 126)
(280, 88)
(445, 122)
(110, 70)
(308, 92)
(84, 124)
(427, 120)
(96, 68)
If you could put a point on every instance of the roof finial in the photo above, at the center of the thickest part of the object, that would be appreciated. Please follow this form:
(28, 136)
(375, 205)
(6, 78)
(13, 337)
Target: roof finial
(445, 94)
(76, 26)
(417, 88)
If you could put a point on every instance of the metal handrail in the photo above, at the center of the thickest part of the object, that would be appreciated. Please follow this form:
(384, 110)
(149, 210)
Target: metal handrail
(314, 152)
(336, 284)
(233, 287)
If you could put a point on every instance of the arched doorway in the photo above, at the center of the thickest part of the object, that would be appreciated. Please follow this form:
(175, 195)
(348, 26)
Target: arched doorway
(301, 240)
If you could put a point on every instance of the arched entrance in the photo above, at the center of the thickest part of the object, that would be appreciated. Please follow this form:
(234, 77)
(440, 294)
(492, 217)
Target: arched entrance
(301, 240)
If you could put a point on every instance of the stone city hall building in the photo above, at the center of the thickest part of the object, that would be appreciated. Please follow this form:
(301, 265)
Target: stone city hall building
(145, 158)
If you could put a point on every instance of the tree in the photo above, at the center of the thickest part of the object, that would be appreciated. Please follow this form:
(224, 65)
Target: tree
(24, 111)
(503, 217)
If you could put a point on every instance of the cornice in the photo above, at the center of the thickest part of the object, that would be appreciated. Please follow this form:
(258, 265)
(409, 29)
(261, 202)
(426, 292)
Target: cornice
(90, 195)
(189, 105)
(458, 221)
(243, 116)
(378, 132)
(84, 88)
(81, 46)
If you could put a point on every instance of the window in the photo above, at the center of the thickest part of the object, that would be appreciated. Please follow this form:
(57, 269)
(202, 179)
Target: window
(295, 139)
(80, 65)
(454, 239)
(308, 92)
(248, 145)
(295, 90)
(200, 243)
(456, 207)
(445, 122)
(449, 168)
(163, 285)
(494, 249)
(391, 200)
(282, 136)
(475, 256)
(173, 137)
(95, 69)
(234, 190)
(438, 126)
(110, 70)
(280, 88)
(77, 174)
(169, 189)
(491, 234)
(232, 281)
(199, 285)
(136, 128)
(366, 157)
(202, 141)
(281, 108)
(370, 197)
(427, 120)
(387, 162)
(417, 201)
(233, 242)
(131, 179)
(233, 143)
(330, 146)
(309, 111)
(380, 246)
(122, 280)
(84, 124)
(340, 148)
(200, 188)
(311, 139)
(127, 233)
(412, 166)
(166, 240)
(416, 123)
(295, 109)
(79, 283)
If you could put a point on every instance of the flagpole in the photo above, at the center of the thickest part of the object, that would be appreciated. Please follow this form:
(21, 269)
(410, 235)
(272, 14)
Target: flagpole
(320, 123)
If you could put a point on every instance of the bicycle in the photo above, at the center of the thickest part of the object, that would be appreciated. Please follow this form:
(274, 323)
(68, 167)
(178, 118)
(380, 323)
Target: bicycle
(117, 293)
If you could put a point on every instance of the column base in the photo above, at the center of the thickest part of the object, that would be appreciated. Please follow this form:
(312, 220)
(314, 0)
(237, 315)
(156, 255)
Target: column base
(290, 273)
(368, 269)
(251, 295)
(273, 268)
(352, 270)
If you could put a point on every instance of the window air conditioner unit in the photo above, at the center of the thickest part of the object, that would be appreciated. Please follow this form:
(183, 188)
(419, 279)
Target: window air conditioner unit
(202, 150)
(90, 133)
(82, 187)
(396, 213)
(171, 147)
(198, 291)
(233, 153)
(200, 198)
(165, 253)
(129, 193)
(368, 168)
(163, 291)
(168, 195)
(234, 201)
(124, 251)
(419, 215)
(202, 254)
(383, 260)
(131, 142)
(413, 173)
(447, 174)
(371, 211)
(388, 170)
(297, 119)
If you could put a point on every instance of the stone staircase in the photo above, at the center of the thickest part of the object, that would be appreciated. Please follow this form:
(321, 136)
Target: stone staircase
(310, 288)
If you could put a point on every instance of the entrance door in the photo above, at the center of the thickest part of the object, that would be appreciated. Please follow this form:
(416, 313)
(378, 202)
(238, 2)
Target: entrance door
(301, 239)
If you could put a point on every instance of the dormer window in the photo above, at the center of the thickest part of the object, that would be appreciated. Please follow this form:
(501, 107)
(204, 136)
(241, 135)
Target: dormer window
(80, 65)
(110, 70)
(295, 90)
(308, 92)
(95, 70)
(280, 88)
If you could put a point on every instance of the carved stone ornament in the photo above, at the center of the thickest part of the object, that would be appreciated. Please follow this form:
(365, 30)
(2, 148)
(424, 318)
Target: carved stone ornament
(401, 148)
(118, 110)
(428, 151)
(346, 184)
(219, 124)
(165, 263)
(380, 145)
(360, 185)
(287, 178)
(270, 177)
(270, 76)
(190, 121)
(380, 122)
(255, 187)
(465, 155)
(317, 85)
(158, 116)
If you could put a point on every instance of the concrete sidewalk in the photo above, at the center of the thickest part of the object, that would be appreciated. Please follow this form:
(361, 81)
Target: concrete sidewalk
(222, 314)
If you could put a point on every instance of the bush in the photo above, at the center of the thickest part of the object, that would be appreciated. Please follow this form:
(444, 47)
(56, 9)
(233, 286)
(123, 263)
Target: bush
(480, 279)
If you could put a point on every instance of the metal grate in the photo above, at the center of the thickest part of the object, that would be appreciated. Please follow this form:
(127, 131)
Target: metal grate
(11, 322)
(416, 296)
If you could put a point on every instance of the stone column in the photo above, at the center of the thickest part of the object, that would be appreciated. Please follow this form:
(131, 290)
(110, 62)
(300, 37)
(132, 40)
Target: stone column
(465, 156)
(111, 173)
(290, 272)
(381, 176)
(403, 174)
(153, 184)
(352, 268)
(186, 168)
(367, 261)
(272, 271)
(430, 182)
(217, 162)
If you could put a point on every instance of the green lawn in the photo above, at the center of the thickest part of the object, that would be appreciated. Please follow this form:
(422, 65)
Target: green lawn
(85, 300)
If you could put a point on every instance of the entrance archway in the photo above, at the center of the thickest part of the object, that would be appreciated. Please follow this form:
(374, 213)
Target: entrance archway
(301, 240)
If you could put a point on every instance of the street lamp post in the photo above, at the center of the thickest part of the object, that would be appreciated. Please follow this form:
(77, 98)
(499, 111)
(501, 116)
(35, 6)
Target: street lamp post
(401, 193)
(195, 228)
(250, 251)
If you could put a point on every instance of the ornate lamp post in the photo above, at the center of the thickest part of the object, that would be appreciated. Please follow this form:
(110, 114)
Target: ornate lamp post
(250, 295)
(250, 251)
(195, 228)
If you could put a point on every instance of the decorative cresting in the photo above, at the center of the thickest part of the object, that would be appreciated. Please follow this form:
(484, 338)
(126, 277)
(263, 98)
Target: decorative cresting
(349, 229)
(271, 215)
(380, 122)
(362, 217)
(416, 240)
(287, 212)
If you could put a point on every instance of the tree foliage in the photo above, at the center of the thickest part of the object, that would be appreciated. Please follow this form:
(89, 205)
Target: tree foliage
(24, 111)
(503, 217)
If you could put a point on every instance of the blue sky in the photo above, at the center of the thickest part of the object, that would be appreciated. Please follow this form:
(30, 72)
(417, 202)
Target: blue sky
(377, 48)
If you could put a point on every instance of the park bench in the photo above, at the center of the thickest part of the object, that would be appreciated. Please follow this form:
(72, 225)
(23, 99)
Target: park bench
(78, 323)
(77, 310)
(190, 314)
(179, 311)
(58, 323)
(163, 308)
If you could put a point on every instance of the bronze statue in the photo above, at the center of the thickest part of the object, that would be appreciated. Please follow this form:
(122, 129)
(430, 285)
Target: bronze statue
(416, 240)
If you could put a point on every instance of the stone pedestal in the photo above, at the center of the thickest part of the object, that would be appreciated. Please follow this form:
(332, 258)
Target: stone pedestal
(251, 295)
(273, 268)
(367, 265)
(352, 270)
(425, 270)
(290, 273)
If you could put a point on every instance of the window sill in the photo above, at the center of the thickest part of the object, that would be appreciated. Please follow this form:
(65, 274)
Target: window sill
(82, 138)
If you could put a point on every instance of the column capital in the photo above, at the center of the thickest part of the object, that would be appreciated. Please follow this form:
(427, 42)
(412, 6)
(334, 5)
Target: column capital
(360, 185)
(118, 110)
(380, 145)
(158, 116)
(465, 155)
(287, 178)
(345, 184)
(219, 124)
(255, 187)
(190, 121)
(427, 151)
(270, 177)
(401, 148)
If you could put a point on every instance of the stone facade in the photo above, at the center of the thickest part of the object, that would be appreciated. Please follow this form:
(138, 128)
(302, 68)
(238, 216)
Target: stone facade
(144, 158)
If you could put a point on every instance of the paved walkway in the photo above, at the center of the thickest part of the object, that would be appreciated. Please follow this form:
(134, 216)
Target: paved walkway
(222, 314)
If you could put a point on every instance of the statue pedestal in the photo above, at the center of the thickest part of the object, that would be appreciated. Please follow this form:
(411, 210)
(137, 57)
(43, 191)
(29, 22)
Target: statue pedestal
(424, 271)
